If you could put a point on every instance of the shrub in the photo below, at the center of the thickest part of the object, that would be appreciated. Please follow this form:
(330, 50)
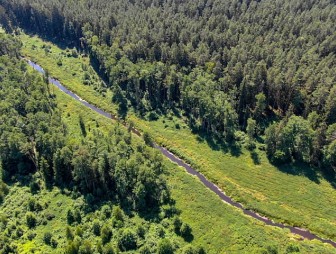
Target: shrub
(108, 249)
(59, 62)
(127, 240)
(189, 250)
(106, 210)
(165, 247)
(145, 250)
(31, 204)
(96, 228)
(79, 231)
(177, 224)
(77, 216)
(148, 139)
(153, 116)
(74, 52)
(141, 231)
(54, 243)
(118, 213)
(72, 247)
(30, 220)
(47, 238)
(68, 233)
(272, 249)
(70, 217)
(292, 248)
(106, 234)
(85, 248)
(31, 236)
(185, 230)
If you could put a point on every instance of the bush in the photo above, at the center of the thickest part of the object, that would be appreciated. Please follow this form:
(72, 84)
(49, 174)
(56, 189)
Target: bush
(108, 249)
(79, 231)
(68, 233)
(30, 220)
(72, 247)
(153, 116)
(47, 238)
(74, 53)
(96, 228)
(118, 213)
(292, 248)
(177, 224)
(141, 231)
(279, 157)
(106, 234)
(189, 250)
(77, 216)
(85, 248)
(106, 211)
(70, 217)
(148, 139)
(127, 240)
(145, 250)
(59, 62)
(185, 230)
(165, 247)
(31, 204)
(31, 236)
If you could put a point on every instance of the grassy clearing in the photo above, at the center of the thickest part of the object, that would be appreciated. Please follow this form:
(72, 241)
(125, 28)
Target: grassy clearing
(291, 198)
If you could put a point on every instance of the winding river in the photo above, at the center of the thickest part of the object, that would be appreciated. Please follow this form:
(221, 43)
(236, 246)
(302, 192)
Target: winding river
(305, 234)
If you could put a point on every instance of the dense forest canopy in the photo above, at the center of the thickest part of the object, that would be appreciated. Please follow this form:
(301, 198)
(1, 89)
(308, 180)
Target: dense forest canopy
(223, 63)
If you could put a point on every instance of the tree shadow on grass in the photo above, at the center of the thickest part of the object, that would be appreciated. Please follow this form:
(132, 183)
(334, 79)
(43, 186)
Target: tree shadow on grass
(301, 169)
(255, 157)
(216, 143)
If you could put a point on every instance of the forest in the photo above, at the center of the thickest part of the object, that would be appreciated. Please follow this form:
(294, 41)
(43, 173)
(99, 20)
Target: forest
(119, 176)
(242, 90)
(258, 66)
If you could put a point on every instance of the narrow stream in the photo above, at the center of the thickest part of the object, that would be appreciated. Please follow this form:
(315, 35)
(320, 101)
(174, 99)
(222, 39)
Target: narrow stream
(305, 234)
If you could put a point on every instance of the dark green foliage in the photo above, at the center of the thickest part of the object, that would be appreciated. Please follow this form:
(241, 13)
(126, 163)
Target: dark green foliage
(70, 217)
(85, 248)
(30, 220)
(145, 250)
(165, 247)
(127, 240)
(148, 139)
(47, 238)
(177, 222)
(292, 248)
(3, 190)
(290, 140)
(69, 234)
(106, 234)
(108, 249)
(96, 228)
(185, 230)
(229, 61)
(72, 247)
